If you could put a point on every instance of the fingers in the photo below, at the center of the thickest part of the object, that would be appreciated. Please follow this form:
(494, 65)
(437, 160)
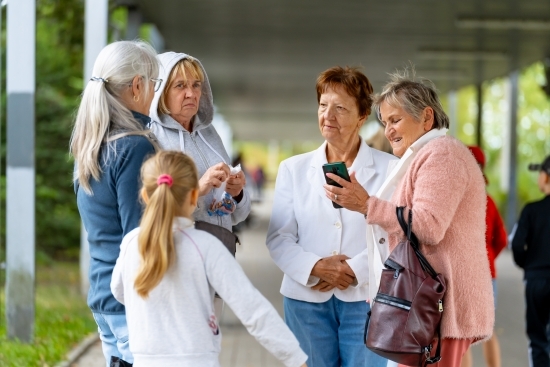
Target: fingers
(223, 167)
(327, 288)
(340, 180)
(333, 192)
(352, 178)
(323, 286)
(216, 182)
(236, 183)
(340, 257)
(238, 179)
(342, 287)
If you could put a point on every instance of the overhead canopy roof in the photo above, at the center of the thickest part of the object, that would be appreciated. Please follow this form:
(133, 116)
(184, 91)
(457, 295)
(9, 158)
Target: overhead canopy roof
(263, 56)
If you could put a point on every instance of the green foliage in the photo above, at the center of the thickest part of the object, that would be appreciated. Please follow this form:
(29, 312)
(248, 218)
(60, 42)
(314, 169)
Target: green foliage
(62, 319)
(533, 131)
(59, 60)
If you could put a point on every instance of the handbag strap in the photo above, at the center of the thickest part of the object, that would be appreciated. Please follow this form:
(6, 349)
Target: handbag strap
(413, 241)
(437, 357)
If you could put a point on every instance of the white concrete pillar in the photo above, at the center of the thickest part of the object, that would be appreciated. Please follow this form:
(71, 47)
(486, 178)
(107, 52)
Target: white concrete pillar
(157, 41)
(273, 157)
(133, 24)
(453, 112)
(479, 117)
(95, 38)
(505, 150)
(20, 195)
(511, 208)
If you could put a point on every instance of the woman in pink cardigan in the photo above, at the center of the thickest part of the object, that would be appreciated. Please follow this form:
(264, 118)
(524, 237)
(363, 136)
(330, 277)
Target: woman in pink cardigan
(439, 180)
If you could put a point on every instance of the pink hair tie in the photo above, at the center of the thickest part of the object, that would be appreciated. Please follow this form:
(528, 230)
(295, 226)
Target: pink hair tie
(165, 179)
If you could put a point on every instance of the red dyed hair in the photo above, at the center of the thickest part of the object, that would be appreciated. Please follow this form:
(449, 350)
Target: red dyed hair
(354, 82)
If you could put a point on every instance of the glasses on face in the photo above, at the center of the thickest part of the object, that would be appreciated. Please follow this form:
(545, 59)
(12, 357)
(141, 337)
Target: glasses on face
(157, 82)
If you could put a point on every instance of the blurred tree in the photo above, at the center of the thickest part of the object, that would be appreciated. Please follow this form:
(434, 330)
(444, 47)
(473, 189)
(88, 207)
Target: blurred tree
(59, 60)
(533, 130)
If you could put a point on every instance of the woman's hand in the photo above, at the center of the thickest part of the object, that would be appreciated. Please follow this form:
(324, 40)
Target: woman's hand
(213, 177)
(335, 271)
(235, 184)
(323, 286)
(304, 365)
(351, 195)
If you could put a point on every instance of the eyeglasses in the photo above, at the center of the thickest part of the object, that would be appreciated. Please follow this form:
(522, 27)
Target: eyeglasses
(157, 82)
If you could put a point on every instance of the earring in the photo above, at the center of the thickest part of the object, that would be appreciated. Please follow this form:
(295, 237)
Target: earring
(136, 99)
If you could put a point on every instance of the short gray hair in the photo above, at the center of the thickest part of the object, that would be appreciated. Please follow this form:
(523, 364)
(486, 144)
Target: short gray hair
(413, 96)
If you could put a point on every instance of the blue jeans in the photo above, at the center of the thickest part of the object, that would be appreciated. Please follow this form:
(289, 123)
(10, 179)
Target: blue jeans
(113, 332)
(331, 333)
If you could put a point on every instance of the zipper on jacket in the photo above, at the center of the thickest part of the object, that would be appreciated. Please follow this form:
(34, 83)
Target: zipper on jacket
(205, 161)
(393, 301)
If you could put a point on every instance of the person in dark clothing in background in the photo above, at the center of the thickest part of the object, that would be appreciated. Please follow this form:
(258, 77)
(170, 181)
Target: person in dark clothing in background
(531, 248)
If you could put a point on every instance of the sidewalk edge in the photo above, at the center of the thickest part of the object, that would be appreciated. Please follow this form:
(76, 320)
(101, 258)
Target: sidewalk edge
(79, 350)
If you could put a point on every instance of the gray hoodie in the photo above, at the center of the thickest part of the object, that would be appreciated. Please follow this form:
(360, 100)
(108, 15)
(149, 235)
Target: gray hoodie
(204, 144)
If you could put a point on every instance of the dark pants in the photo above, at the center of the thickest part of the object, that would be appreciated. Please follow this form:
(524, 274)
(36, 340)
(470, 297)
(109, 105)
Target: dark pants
(537, 298)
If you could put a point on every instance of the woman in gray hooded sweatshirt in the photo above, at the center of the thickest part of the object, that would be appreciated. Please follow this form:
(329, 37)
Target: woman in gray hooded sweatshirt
(181, 118)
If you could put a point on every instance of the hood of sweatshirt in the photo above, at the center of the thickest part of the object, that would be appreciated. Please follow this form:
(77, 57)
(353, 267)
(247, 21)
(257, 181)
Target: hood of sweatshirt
(204, 115)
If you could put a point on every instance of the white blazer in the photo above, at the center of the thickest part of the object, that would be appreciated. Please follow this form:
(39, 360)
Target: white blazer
(305, 227)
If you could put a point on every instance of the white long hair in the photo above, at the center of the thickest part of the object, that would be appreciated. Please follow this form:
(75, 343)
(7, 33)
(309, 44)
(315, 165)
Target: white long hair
(102, 115)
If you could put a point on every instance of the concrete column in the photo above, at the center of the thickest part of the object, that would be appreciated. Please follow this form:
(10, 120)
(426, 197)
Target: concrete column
(95, 38)
(157, 41)
(511, 208)
(135, 20)
(505, 150)
(273, 157)
(479, 125)
(20, 195)
(453, 113)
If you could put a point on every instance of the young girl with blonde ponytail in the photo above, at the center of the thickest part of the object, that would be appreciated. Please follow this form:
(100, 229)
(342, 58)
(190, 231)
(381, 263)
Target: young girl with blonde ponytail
(168, 271)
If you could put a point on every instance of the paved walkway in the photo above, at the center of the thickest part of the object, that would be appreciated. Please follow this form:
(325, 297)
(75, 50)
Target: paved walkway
(239, 349)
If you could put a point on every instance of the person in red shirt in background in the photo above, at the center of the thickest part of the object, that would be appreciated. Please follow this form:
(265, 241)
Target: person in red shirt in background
(495, 240)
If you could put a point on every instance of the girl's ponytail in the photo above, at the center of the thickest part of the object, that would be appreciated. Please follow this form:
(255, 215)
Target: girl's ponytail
(168, 178)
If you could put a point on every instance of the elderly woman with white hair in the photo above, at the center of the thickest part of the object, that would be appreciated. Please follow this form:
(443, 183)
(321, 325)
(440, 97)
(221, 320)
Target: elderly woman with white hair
(439, 180)
(110, 141)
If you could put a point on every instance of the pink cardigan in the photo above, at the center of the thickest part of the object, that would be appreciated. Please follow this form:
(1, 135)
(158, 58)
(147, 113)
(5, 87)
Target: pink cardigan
(446, 191)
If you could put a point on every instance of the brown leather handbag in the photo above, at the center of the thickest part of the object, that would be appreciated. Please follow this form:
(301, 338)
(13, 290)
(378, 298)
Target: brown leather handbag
(405, 317)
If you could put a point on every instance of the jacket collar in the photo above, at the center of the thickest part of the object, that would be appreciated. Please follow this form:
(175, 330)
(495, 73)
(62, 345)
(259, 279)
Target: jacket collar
(399, 167)
(141, 118)
(362, 166)
(182, 223)
(424, 139)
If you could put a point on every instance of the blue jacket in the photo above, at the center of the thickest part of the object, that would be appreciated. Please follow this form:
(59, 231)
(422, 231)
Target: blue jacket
(112, 211)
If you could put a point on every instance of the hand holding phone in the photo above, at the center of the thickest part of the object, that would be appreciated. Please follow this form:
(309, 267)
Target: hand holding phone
(340, 170)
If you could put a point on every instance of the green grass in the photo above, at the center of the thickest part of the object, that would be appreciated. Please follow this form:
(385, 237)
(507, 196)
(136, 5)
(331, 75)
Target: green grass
(62, 319)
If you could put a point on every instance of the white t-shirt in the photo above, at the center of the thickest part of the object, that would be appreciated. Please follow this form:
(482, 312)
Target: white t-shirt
(176, 324)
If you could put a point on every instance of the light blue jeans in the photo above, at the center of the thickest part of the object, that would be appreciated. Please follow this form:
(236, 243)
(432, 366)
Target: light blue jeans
(113, 332)
(331, 333)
